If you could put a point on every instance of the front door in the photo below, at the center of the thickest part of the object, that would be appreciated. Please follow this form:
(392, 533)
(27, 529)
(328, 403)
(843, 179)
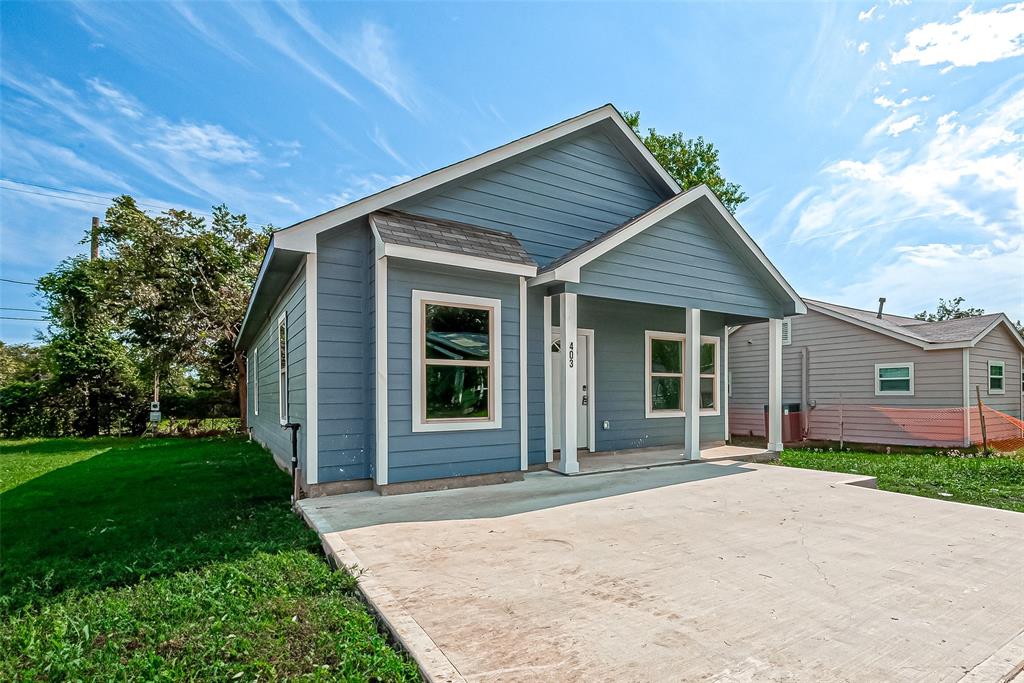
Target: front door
(582, 390)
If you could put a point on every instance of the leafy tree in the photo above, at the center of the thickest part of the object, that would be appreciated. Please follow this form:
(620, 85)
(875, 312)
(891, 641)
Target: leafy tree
(952, 309)
(690, 161)
(20, 363)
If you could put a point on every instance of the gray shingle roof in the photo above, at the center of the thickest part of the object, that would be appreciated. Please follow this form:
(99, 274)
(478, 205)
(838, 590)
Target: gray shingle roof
(396, 227)
(959, 330)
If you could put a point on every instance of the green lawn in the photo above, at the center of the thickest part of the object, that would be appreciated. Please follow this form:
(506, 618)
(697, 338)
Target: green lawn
(169, 559)
(991, 481)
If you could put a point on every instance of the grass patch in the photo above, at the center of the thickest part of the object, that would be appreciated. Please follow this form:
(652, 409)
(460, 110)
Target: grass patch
(170, 559)
(996, 482)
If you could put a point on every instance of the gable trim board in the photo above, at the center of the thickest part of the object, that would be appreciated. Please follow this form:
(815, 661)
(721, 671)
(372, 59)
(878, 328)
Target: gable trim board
(567, 269)
(920, 343)
(301, 236)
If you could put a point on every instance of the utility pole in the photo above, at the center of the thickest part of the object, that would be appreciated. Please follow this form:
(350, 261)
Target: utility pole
(94, 251)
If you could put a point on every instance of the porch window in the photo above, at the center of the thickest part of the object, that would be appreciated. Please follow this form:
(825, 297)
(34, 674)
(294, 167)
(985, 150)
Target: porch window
(456, 362)
(894, 379)
(996, 377)
(282, 368)
(664, 375)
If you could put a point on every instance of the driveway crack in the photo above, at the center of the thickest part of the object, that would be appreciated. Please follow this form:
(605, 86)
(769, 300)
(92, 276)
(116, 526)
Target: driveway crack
(817, 567)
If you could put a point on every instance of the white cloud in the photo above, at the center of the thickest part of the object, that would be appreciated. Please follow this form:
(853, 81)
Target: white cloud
(364, 186)
(963, 179)
(382, 143)
(114, 98)
(270, 32)
(973, 38)
(371, 51)
(897, 128)
(206, 141)
(862, 49)
(886, 103)
(867, 15)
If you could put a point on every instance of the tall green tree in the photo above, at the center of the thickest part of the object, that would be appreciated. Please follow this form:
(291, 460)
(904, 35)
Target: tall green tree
(691, 161)
(953, 309)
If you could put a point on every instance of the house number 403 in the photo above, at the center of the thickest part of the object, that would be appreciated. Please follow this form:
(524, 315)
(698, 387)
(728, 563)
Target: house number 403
(572, 354)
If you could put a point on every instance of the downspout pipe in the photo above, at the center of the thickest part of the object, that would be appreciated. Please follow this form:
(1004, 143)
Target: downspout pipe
(805, 408)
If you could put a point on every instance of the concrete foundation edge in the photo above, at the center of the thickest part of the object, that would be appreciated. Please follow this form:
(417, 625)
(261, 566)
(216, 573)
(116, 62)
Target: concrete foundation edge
(407, 633)
(448, 483)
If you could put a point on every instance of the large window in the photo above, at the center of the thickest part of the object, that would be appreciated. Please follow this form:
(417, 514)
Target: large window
(894, 379)
(282, 368)
(664, 375)
(996, 377)
(456, 362)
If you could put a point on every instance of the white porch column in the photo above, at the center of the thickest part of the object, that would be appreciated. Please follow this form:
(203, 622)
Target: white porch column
(567, 377)
(691, 384)
(775, 384)
(549, 427)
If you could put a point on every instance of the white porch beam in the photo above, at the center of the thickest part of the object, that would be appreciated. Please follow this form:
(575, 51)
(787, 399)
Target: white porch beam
(567, 363)
(775, 385)
(691, 384)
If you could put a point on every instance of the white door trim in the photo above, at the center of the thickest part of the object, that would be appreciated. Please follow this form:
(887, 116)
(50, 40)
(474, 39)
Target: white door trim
(556, 333)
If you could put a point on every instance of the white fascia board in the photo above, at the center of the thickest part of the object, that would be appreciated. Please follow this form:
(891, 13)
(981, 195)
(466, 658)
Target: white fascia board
(459, 260)
(255, 288)
(300, 235)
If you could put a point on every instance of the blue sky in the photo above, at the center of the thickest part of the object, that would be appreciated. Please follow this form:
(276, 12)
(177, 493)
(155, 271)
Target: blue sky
(881, 144)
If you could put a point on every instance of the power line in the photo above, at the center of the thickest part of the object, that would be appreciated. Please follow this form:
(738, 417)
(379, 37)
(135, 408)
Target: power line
(29, 310)
(17, 282)
(10, 317)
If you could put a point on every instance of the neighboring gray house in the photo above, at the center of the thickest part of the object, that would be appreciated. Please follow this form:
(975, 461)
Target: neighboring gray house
(471, 321)
(881, 379)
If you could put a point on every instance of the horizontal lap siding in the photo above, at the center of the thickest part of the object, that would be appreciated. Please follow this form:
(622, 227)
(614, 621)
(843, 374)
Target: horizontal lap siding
(619, 373)
(552, 199)
(997, 345)
(680, 261)
(431, 455)
(266, 427)
(842, 359)
(344, 357)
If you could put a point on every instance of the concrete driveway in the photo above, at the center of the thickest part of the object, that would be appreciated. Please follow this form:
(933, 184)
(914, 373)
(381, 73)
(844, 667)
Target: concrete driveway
(711, 572)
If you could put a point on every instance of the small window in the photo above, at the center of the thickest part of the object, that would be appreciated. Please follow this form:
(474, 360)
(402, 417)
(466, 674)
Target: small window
(664, 374)
(787, 332)
(894, 379)
(996, 377)
(456, 362)
(254, 373)
(282, 368)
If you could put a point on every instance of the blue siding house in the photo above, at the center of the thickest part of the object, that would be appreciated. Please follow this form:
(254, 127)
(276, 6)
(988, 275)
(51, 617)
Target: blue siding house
(471, 323)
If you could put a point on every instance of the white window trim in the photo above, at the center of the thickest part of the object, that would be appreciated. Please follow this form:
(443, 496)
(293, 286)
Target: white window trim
(1000, 364)
(255, 379)
(878, 382)
(787, 331)
(679, 336)
(419, 364)
(283, 403)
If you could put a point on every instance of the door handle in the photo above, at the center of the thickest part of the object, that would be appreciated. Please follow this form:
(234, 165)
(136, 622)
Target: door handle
(585, 395)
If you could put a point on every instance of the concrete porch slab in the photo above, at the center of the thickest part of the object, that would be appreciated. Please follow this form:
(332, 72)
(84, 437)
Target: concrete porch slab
(644, 458)
(716, 571)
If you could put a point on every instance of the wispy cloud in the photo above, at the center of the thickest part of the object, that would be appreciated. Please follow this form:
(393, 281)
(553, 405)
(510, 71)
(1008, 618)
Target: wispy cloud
(892, 105)
(212, 37)
(973, 38)
(382, 143)
(365, 185)
(371, 51)
(269, 31)
(205, 141)
(117, 100)
(867, 15)
(862, 49)
(897, 128)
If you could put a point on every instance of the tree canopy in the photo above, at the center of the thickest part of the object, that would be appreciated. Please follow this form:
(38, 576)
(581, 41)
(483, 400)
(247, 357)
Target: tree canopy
(691, 161)
(953, 309)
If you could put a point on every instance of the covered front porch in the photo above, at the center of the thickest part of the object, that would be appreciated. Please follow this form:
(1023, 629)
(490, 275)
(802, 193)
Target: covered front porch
(620, 379)
(646, 458)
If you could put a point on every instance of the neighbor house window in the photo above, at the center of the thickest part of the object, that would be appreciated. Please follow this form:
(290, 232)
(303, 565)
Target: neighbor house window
(664, 374)
(282, 368)
(254, 373)
(894, 379)
(996, 377)
(456, 362)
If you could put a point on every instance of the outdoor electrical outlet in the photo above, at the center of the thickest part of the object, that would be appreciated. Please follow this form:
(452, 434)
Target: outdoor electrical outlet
(606, 425)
